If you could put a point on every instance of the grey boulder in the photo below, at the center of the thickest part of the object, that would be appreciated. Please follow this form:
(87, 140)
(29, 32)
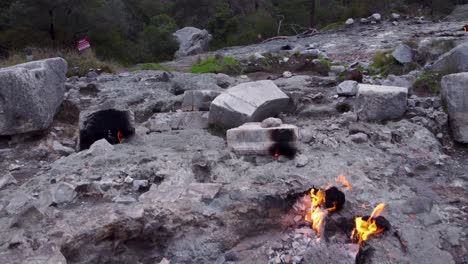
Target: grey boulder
(454, 61)
(403, 54)
(198, 100)
(30, 95)
(248, 102)
(455, 97)
(380, 103)
(192, 41)
(347, 88)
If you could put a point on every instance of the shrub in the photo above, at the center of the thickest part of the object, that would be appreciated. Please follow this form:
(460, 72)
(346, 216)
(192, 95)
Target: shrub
(217, 65)
(384, 64)
(428, 83)
(151, 67)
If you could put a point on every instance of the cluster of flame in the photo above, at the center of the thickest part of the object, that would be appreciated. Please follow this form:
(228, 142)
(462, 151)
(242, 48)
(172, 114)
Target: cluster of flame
(365, 228)
(317, 213)
(119, 137)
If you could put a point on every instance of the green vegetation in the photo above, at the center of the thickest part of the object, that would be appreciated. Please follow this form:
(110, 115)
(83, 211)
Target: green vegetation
(151, 67)
(428, 83)
(78, 64)
(384, 64)
(333, 26)
(140, 31)
(217, 65)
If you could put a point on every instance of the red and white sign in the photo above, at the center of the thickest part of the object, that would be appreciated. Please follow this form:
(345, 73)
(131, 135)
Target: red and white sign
(83, 44)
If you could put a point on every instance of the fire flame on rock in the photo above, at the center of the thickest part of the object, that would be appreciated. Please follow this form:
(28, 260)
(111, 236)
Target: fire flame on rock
(119, 137)
(342, 179)
(316, 214)
(364, 229)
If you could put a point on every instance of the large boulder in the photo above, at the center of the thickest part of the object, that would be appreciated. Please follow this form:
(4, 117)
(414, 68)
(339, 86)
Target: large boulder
(198, 100)
(456, 60)
(30, 95)
(380, 103)
(455, 97)
(192, 41)
(248, 102)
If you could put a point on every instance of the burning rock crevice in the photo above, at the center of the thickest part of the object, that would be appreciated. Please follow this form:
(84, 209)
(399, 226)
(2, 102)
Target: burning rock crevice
(110, 124)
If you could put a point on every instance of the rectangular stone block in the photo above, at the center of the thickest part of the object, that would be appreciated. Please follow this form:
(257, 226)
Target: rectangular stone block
(252, 139)
(455, 97)
(380, 103)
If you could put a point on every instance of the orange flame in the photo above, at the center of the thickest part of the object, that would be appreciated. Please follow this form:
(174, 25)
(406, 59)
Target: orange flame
(364, 229)
(465, 28)
(342, 179)
(276, 154)
(119, 137)
(316, 215)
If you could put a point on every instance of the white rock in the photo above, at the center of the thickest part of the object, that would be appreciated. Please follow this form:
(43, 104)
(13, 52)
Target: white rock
(128, 180)
(100, 147)
(301, 161)
(192, 41)
(140, 184)
(376, 17)
(287, 74)
(395, 16)
(364, 21)
(271, 122)
(455, 96)
(7, 179)
(61, 149)
(338, 69)
(347, 88)
(403, 54)
(349, 22)
(63, 192)
(247, 102)
(379, 103)
(359, 138)
(258, 56)
(395, 23)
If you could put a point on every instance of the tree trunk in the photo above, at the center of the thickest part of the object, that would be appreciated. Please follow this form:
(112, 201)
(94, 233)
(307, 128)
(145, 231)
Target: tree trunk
(312, 14)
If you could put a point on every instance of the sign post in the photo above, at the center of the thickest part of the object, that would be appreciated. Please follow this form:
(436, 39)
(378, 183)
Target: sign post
(82, 44)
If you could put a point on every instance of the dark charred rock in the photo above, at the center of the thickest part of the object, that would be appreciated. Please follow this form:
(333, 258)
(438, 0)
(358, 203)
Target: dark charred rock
(334, 197)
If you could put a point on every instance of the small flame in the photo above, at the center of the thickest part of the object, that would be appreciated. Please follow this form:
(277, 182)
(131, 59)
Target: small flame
(119, 137)
(342, 179)
(316, 215)
(465, 28)
(364, 229)
(276, 154)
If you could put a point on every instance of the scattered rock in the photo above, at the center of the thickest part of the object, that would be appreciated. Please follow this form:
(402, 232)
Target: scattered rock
(349, 22)
(455, 97)
(454, 61)
(376, 17)
(271, 122)
(192, 41)
(140, 185)
(379, 103)
(347, 88)
(63, 193)
(61, 149)
(177, 121)
(403, 54)
(198, 100)
(287, 74)
(395, 16)
(359, 138)
(7, 179)
(30, 95)
(252, 101)
(92, 75)
(337, 69)
(301, 161)
(100, 147)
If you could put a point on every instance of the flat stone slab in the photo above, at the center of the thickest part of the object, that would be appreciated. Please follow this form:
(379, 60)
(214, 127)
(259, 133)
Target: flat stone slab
(455, 97)
(380, 103)
(248, 102)
(252, 139)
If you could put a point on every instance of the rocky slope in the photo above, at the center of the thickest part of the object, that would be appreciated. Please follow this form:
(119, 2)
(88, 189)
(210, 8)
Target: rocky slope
(177, 194)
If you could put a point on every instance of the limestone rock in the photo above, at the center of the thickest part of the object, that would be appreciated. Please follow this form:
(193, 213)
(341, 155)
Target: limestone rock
(271, 122)
(252, 139)
(177, 121)
(247, 102)
(379, 103)
(454, 61)
(30, 95)
(455, 96)
(192, 41)
(347, 88)
(349, 22)
(198, 100)
(403, 54)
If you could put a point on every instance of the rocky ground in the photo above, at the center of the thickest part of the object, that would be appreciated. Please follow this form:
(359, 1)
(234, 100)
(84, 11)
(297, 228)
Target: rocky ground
(178, 195)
